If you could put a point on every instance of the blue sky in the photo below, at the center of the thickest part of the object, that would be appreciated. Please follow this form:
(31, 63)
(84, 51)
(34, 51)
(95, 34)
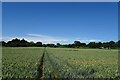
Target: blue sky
(60, 22)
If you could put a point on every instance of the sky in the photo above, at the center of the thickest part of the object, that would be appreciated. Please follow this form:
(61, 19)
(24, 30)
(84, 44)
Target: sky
(63, 22)
(60, 0)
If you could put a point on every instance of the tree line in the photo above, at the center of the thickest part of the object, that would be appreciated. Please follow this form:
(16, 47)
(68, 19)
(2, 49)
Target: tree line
(76, 44)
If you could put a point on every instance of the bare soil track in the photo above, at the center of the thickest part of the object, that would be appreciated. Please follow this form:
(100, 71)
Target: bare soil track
(40, 67)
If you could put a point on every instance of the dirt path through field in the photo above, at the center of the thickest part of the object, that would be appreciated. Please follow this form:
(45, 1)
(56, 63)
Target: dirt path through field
(41, 67)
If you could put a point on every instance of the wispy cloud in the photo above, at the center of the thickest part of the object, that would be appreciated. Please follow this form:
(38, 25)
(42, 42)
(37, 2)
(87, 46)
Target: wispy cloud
(38, 38)
(37, 35)
(46, 38)
(89, 40)
(49, 39)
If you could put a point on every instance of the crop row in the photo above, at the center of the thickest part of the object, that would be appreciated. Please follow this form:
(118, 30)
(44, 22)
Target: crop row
(20, 62)
(81, 63)
(60, 63)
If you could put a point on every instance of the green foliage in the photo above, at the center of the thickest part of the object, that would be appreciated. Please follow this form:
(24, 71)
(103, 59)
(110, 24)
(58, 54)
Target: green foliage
(20, 62)
(80, 63)
(60, 63)
(77, 44)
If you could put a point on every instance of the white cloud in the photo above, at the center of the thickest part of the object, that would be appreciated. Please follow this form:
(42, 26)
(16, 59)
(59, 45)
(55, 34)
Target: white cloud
(89, 40)
(38, 38)
(37, 35)
(46, 39)
(49, 39)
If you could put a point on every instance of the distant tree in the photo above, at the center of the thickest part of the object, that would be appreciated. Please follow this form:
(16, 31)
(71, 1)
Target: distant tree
(24, 43)
(44, 45)
(118, 44)
(2, 43)
(65, 45)
(70, 46)
(106, 45)
(39, 44)
(77, 44)
(112, 44)
(92, 45)
(58, 44)
(83, 45)
(100, 44)
(14, 43)
(31, 44)
(51, 45)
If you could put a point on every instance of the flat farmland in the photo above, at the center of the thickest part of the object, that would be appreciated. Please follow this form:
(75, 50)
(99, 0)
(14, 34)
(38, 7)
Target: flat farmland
(84, 63)
(21, 62)
(69, 63)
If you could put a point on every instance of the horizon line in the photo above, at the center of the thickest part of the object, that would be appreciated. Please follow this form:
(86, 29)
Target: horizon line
(59, 42)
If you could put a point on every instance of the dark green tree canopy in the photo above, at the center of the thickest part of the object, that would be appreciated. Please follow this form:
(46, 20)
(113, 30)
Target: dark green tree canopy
(77, 44)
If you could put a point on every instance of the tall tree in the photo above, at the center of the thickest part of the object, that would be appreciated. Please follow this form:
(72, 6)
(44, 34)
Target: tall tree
(31, 43)
(118, 44)
(24, 43)
(77, 44)
(112, 44)
(14, 43)
(92, 45)
(58, 44)
(2, 43)
(39, 44)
